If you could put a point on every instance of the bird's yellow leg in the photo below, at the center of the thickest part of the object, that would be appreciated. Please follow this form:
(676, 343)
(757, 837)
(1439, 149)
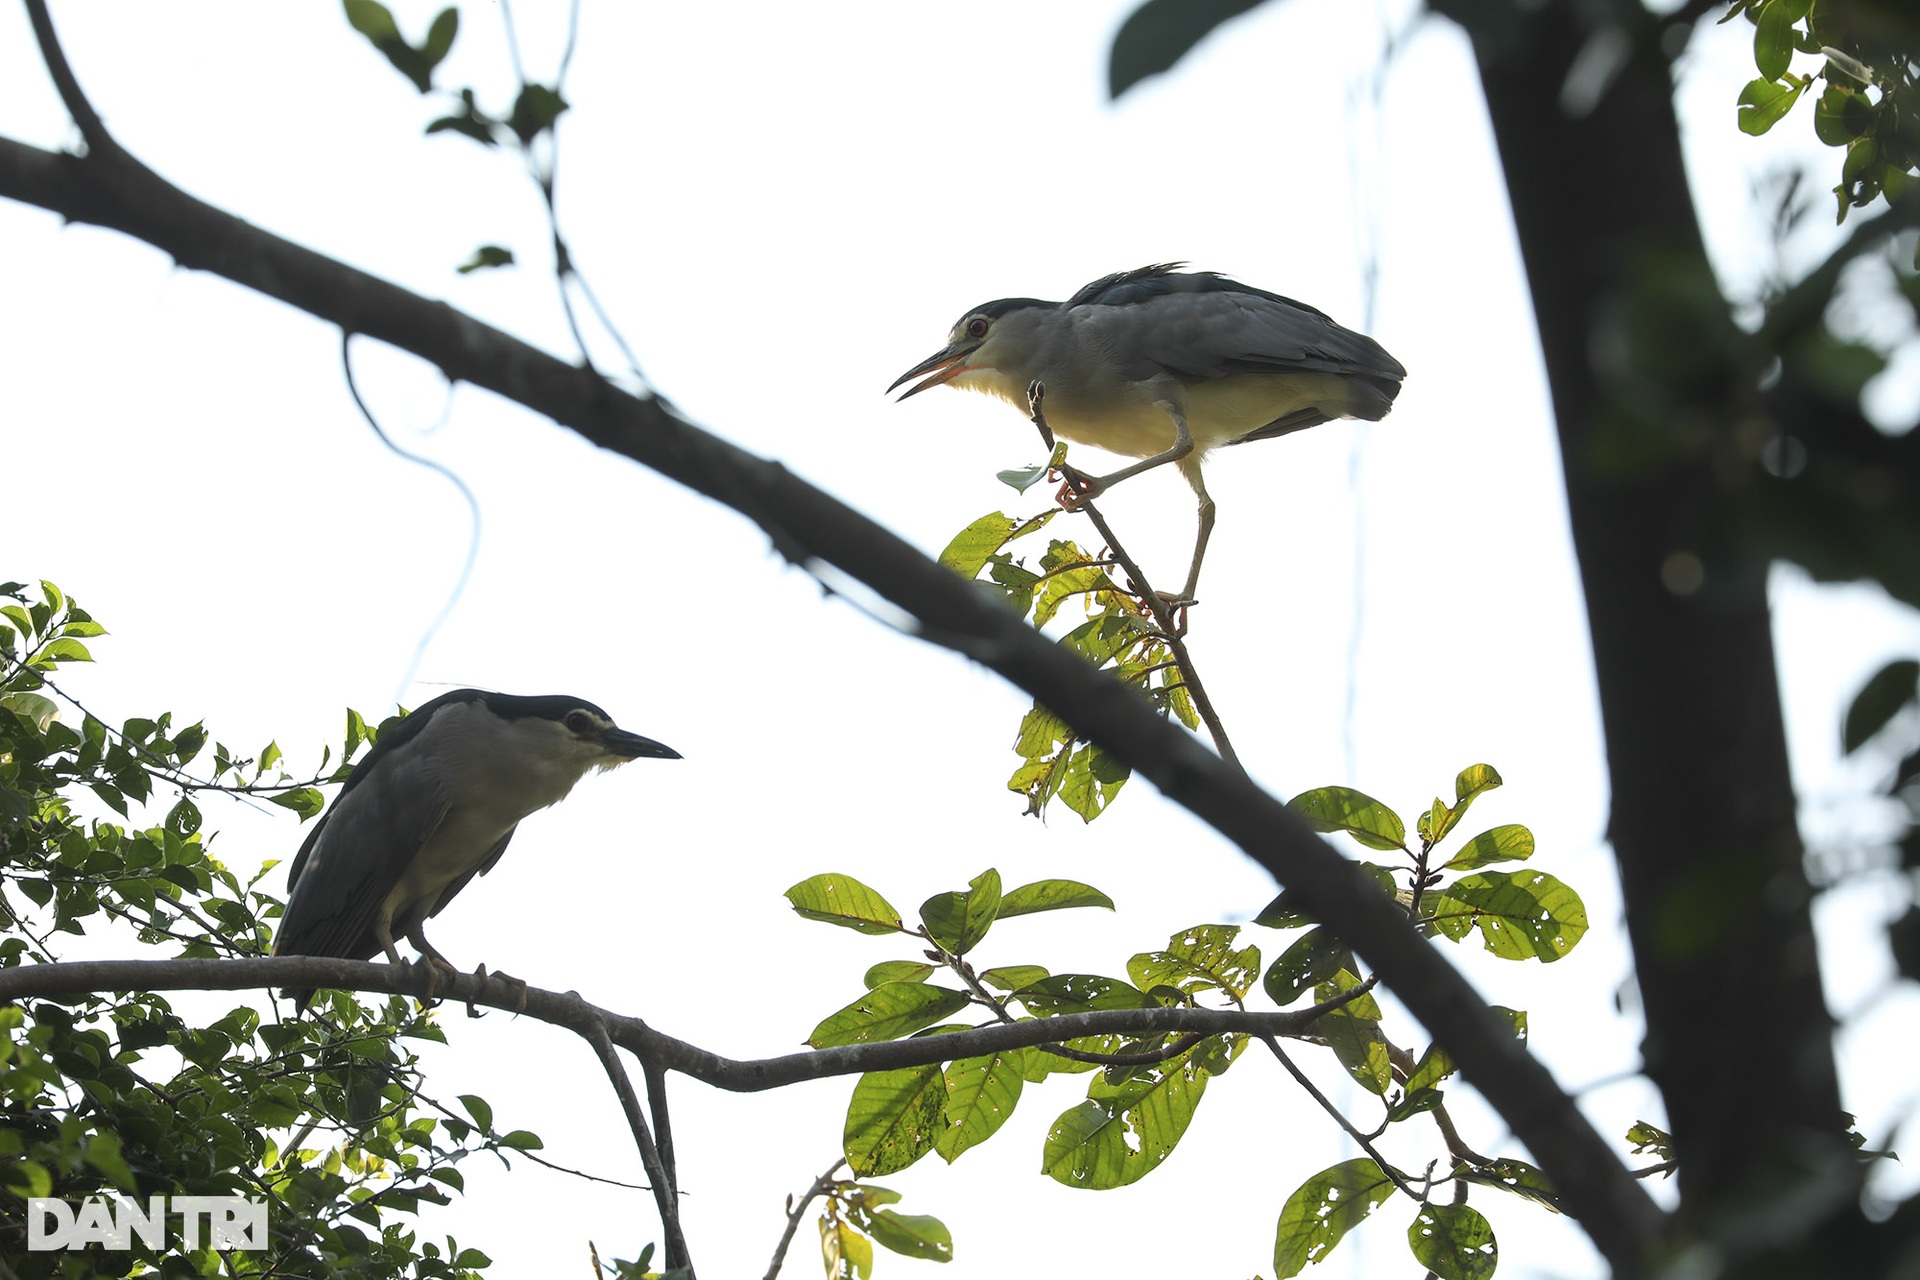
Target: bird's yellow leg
(1081, 487)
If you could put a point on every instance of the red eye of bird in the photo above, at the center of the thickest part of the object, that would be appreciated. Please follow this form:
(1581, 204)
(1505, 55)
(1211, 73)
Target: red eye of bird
(579, 722)
(978, 326)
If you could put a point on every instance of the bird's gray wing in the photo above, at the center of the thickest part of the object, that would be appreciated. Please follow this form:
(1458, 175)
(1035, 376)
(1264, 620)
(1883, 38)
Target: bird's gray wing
(354, 858)
(486, 865)
(1204, 326)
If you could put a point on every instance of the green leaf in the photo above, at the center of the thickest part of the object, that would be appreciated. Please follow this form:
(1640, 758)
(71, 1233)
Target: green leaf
(1646, 1137)
(522, 1140)
(1021, 479)
(1093, 778)
(1841, 114)
(1080, 993)
(974, 545)
(1773, 40)
(889, 1011)
(1414, 1102)
(1510, 843)
(842, 900)
(1353, 1033)
(1123, 1132)
(1326, 1207)
(63, 649)
(1763, 103)
(535, 111)
(1472, 781)
(477, 1108)
(957, 921)
(914, 1235)
(1358, 814)
(486, 257)
(981, 1095)
(1892, 689)
(103, 1153)
(1454, 1242)
(1199, 959)
(896, 971)
(1011, 977)
(1434, 1066)
(1521, 915)
(1051, 895)
(305, 801)
(847, 1253)
(1514, 1176)
(440, 36)
(1315, 957)
(1159, 33)
(894, 1118)
(41, 711)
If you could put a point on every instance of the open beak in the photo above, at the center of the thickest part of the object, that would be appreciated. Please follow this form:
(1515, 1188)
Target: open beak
(631, 746)
(942, 366)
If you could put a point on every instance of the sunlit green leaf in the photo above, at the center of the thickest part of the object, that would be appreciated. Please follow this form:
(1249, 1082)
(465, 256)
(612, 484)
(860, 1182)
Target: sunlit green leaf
(1326, 1207)
(1510, 843)
(1199, 959)
(1122, 1133)
(957, 921)
(913, 1235)
(1358, 814)
(1313, 959)
(840, 899)
(981, 1095)
(889, 1011)
(896, 971)
(894, 1118)
(1453, 1241)
(1051, 895)
(1521, 915)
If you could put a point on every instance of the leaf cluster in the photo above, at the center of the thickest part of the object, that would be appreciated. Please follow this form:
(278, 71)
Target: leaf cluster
(1870, 105)
(1144, 1090)
(126, 1094)
(1118, 635)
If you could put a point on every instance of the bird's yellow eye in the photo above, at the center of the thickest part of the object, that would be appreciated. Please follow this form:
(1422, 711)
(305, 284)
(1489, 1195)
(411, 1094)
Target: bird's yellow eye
(978, 326)
(580, 722)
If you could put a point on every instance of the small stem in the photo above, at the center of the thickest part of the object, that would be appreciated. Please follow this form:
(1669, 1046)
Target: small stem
(819, 1188)
(1156, 605)
(1326, 1104)
(663, 1192)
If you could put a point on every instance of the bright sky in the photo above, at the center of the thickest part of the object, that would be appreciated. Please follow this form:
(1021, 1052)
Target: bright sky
(784, 207)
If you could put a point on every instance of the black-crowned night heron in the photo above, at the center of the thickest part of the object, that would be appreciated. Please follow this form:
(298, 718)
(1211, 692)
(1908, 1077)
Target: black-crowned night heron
(432, 805)
(1165, 365)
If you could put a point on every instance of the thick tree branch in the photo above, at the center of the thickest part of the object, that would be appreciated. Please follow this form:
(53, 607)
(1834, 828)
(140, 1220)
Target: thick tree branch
(655, 1049)
(115, 191)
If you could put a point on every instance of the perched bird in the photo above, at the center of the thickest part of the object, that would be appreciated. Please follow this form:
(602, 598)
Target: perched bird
(1165, 365)
(432, 805)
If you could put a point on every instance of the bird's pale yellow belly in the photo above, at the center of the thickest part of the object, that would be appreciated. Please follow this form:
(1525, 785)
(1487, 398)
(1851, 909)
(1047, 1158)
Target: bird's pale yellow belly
(1218, 411)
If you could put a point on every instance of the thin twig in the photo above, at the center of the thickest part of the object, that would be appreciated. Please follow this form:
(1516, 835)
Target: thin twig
(796, 1211)
(100, 143)
(1155, 603)
(1326, 1104)
(663, 1193)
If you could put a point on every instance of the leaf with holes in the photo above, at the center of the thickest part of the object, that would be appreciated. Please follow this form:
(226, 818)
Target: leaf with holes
(894, 1118)
(1327, 1206)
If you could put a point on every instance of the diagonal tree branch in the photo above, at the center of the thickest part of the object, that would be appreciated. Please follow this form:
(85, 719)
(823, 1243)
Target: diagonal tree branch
(109, 188)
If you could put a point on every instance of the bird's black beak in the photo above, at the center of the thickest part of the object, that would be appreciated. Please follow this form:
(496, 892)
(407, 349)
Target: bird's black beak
(631, 746)
(944, 364)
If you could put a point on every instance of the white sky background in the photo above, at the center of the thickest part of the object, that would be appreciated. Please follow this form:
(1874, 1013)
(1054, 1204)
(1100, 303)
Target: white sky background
(784, 207)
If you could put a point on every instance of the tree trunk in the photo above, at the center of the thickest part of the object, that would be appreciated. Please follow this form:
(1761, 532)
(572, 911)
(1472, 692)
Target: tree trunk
(1649, 378)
